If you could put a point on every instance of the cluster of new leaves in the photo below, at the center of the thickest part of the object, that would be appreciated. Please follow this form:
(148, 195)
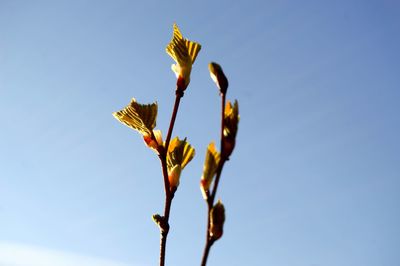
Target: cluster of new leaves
(215, 160)
(142, 118)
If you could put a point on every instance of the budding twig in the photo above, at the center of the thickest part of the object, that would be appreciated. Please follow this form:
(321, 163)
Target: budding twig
(210, 200)
(169, 194)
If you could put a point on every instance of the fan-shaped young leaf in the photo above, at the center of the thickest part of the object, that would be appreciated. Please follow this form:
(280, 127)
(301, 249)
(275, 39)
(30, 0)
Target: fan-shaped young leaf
(184, 52)
(179, 152)
(141, 117)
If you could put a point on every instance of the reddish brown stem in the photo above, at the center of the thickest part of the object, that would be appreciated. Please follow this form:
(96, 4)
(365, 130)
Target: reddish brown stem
(179, 95)
(210, 200)
(169, 195)
(223, 156)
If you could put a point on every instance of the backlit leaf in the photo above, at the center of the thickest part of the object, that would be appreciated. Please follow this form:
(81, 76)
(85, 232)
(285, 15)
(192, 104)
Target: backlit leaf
(141, 117)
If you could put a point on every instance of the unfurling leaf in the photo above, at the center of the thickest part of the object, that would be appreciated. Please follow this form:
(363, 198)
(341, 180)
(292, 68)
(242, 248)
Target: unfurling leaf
(231, 121)
(184, 52)
(140, 117)
(217, 219)
(209, 169)
(179, 152)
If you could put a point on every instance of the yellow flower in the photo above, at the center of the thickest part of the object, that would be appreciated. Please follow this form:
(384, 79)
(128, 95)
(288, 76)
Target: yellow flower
(184, 52)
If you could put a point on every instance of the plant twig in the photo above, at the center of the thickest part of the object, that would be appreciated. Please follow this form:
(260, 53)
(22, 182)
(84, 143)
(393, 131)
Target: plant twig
(164, 226)
(223, 155)
(207, 248)
(169, 195)
(211, 198)
(179, 95)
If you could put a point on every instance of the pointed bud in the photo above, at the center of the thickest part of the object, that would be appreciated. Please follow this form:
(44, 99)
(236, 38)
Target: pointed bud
(158, 219)
(161, 223)
(174, 176)
(218, 76)
(217, 220)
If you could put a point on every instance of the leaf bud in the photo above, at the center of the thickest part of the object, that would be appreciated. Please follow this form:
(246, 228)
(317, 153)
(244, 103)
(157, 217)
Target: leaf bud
(217, 220)
(218, 76)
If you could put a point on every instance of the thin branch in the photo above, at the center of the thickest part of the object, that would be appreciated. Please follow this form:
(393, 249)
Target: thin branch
(223, 156)
(207, 248)
(211, 198)
(164, 226)
(179, 95)
(169, 195)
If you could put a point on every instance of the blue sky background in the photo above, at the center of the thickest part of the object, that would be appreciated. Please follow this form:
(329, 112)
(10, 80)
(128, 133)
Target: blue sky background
(314, 179)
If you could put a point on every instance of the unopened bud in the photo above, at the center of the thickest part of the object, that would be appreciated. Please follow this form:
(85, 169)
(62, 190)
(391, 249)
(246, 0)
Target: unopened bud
(228, 146)
(161, 223)
(158, 219)
(218, 77)
(217, 220)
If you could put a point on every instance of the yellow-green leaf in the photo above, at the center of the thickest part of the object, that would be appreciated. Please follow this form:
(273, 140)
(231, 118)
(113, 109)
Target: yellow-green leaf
(182, 50)
(231, 119)
(210, 165)
(141, 117)
(179, 152)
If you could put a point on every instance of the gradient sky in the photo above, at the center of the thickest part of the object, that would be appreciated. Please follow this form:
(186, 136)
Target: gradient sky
(314, 179)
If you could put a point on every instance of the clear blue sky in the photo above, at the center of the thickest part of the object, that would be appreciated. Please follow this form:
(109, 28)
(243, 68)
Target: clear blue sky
(315, 177)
